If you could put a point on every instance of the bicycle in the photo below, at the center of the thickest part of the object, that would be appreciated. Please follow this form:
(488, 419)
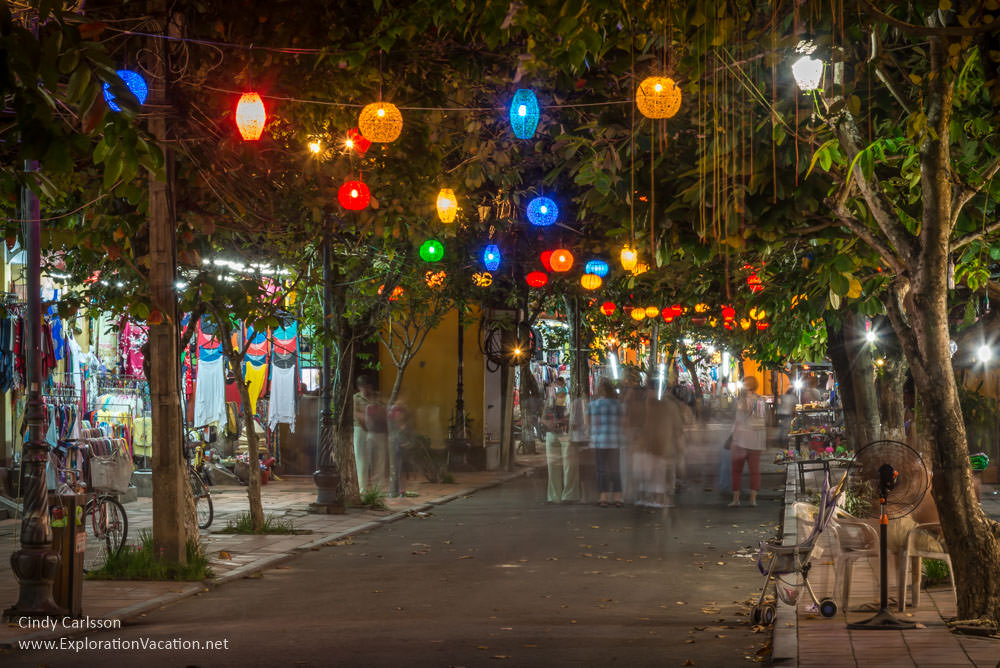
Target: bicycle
(108, 520)
(193, 451)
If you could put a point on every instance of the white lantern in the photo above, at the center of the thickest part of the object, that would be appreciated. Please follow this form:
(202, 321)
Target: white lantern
(807, 72)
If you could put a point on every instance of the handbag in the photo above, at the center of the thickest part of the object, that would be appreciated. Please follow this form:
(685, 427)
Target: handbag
(111, 473)
(729, 443)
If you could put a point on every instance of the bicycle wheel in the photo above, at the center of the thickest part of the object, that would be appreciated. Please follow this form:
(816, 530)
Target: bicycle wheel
(110, 523)
(202, 500)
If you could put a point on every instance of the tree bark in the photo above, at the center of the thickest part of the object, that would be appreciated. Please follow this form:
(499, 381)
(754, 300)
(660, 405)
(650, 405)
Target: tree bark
(862, 366)
(692, 368)
(837, 352)
(891, 381)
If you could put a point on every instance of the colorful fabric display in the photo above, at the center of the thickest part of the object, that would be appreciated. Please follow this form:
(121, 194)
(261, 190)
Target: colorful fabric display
(284, 388)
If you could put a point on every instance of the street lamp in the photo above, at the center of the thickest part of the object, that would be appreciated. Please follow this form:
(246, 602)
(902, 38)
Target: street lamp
(807, 72)
(984, 354)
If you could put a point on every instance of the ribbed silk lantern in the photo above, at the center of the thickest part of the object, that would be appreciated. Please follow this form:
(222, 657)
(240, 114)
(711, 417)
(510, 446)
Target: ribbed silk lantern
(596, 267)
(447, 205)
(652, 311)
(380, 122)
(536, 279)
(638, 314)
(250, 116)
(354, 195)
(629, 258)
(590, 281)
(561, 260)
(542, 211)
(491, 257)
(608, 308)
(135, 84)
(524, 114)
(728, 313)
(640, 268)
(431, 251)
(357, 141)
(701, 307)
(658, 97)
(546, 259)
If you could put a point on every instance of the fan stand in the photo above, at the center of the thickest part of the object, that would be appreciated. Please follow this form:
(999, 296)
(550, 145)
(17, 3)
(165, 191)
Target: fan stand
(884, 619)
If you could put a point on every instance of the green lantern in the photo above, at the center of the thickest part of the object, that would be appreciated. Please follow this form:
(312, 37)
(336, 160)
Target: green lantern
(431, 251)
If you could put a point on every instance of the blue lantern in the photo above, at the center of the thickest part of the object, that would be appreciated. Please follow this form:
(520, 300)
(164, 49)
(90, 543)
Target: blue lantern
(596, 267)
(524, 114)
(491, 257)
(135, 84)
(542, 211)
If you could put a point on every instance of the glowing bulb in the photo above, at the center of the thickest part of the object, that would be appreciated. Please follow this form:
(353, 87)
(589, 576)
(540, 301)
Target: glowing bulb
(380, 112)
(354, 192)
(314, 146)
(870, 336)
(522, 110)
(544, 209)
(984, 354)
(349, 143)
(807, 72)
(658, 88)
(797, 384)
(517, 351)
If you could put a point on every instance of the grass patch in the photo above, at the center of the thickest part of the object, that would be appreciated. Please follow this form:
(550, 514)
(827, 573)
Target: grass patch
(373, 499)
(243, 524)
(935, 572)
(139, 562)
(448, 479)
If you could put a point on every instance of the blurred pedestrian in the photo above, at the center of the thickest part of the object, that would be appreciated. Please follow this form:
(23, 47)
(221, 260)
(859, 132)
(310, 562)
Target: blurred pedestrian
(377, 428)
(604, 416)
(362, 458)
(400, 440)
(785, 410)
(749, 434)
(562, 467)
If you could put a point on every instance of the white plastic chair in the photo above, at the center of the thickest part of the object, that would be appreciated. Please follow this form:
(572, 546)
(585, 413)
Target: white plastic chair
(909, 562)
(856, 540)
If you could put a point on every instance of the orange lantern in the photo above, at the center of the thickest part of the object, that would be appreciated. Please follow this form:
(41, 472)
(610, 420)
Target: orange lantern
(607, 308)
(482, 279)
(435, 279)
(652, 311)
(536, 279)
(640, 268)
(397, 292)
(250, 116)
(561, 260)
(638, 314)
(745, 323)
(590, 281)
(701, 307)
(629, 258)
(447, 205)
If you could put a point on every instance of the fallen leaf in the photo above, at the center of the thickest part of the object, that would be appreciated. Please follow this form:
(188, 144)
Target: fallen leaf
(690, 641)
(680, 602)
(224, 555)
(689, 662)
(500, 656)
(481, 647)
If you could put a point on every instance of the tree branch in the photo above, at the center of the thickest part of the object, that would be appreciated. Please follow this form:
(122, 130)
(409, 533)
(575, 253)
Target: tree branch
(965, 194)
(923, 31)
(904, 333)
(880, 246)
(967, 239)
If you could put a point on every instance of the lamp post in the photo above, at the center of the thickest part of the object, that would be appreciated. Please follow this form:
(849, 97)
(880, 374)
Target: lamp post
(35, 563)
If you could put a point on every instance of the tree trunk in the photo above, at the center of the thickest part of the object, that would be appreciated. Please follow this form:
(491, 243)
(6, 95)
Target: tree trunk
(859, 407)
(236, 363)
(529, 394)
(862, 367)
(690, 365)
(174, 519)
(892, 407)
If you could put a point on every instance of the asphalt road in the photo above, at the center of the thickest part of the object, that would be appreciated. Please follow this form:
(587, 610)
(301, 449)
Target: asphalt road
(496, 578)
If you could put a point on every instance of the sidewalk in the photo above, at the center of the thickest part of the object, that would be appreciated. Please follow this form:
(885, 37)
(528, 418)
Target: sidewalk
(803, 638)
(237, 556)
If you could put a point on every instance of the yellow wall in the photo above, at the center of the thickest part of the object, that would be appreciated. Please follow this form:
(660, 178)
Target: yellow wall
(429, 382)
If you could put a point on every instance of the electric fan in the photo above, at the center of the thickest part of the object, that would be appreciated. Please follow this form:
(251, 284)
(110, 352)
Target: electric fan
(896, 474)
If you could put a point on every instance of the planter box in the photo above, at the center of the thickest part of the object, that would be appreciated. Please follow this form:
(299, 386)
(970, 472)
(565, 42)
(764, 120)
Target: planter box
(991, 476)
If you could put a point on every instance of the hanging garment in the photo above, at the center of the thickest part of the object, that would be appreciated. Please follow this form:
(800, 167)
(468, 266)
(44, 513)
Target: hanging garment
(255, 376)
(133, 338)
(207, 334)
(210, 393)
(259, 344)
(286, 338)
(284, 386)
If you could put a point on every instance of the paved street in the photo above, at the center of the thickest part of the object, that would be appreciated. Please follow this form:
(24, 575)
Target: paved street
(492, 577)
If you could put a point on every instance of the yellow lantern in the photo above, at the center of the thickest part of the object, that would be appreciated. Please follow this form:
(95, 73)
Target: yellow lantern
(629, 258)
(447, 205)
(652, 311)
(638, 314)
(380, 122)
(658, 97)
(701, 308)
(757, 313)
(640, 268)
(745, 323)
(713, 322)
(435, 279)
(590, 281)
(483, 279)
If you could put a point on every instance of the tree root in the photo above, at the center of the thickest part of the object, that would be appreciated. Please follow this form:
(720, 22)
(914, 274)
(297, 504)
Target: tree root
(982, 626)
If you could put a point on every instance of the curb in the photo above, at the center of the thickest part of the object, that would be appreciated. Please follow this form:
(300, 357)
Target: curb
(785, 634)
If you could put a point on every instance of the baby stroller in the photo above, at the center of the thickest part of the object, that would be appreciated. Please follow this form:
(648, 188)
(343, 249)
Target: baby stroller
(775, 561)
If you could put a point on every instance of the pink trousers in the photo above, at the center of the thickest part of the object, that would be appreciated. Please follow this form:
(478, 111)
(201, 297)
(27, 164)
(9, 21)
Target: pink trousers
(740, 455)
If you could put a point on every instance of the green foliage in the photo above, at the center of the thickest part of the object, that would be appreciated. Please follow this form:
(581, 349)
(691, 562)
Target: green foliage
(243, 524)
(373, 499)
(140, 562)
(935, 571)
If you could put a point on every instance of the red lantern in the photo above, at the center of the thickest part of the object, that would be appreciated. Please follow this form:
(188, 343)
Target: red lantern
(727, 325)
(668, 314)
(761, 326)
(756, 285)
(396, 293)
(357, 141)
(536, 279)
(561, 260)
(677, 310)
(354, 195)
(607, 308)
(250, 116)
(545, 257)
(728, 314)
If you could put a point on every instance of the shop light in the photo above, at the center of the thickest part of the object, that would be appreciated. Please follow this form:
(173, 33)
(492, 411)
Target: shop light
(870, 336)
(984, 354)
(614, 365)
(315, 147)
(797, 384)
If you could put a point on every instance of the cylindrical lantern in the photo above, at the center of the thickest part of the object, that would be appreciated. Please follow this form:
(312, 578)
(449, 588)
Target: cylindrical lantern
(652, 311)
(250, 116)
(536, 279)
(590, 281)
(431, 251)
(491, 257)
(629, 258)
(728, 313)
(447, 205)
(524, 114)
(658, 97)
(135, 84)
(354, 195)
(483, 279)
(638, 314)
(380, 122)
(435, 279)
(607, 308)
(357, 141)
(596, 267)
(542, 211)
(546, 258)
(561, 260)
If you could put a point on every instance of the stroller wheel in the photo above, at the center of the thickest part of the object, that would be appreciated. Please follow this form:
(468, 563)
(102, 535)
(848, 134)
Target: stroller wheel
(755, 616)
(767, 615)
(828, 607)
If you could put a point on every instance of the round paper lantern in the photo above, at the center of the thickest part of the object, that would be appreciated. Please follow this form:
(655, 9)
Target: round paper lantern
(524, 114)
(491, 257)
(590, 281)
(542, 211)
(135, 84)
(431, 251)
(357, 141)
(728, 313)
(607, 308)
(629, 258)
(380, 122)
(250, 116)
(536, 279)
(677, 310)
(652, 311)
(483, 279)
(546, 258)
(354, 195)
(596, 267)
(807, 71)
(447, 205)
(658, 97)
(561, 260)
(701, 307)
(435, 279)
(756, 285)
(638, 314)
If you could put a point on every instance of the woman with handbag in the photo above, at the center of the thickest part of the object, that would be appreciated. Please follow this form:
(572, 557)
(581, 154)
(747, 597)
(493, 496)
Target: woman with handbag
(748, 440)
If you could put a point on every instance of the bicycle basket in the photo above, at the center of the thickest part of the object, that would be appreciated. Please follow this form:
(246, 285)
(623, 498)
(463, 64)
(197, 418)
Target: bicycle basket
(110, 473)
